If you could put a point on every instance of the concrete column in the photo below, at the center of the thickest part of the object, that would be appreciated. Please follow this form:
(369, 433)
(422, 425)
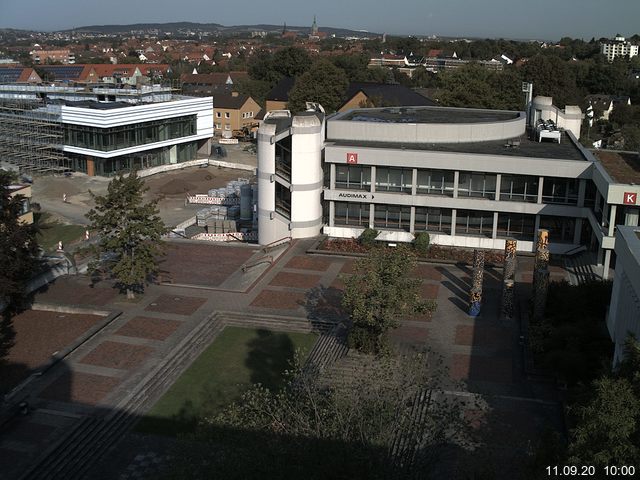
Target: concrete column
(607, 262)
(498, 181)
(631, 216)
(540, 187)
(332, 177)
(412, 219)
(414, 183)
(371, 215)
(456, 179)
(612, 220)
(373, 178)
(494, 232)
(582, 187)
(453, 221)
(332, 213)
(578, 231)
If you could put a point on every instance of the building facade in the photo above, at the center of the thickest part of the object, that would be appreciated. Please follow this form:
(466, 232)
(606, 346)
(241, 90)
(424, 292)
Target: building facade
(471, 178)
(618, 47)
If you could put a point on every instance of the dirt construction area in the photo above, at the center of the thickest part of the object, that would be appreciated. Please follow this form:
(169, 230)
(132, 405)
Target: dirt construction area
(170, 187)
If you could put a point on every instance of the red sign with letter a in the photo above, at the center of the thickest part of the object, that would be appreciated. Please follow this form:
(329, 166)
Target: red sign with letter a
(630, 198)
(352, 158)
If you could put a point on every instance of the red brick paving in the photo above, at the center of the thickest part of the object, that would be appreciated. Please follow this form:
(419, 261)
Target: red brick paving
(483, 336)
(176, 304)
(427, 272)
(307, 262)
(148, 327)
(348, 266)
(295, 280)
(479, 368)
(77, 387)
(207, 265)
(430, 290)
(38, 334)
(411, 334)
(338, 282)
(277, 299)
(117, 355)
(77, 290)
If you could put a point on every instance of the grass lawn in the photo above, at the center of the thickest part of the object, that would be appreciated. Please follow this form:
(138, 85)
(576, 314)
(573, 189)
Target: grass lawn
(236, 359)
(51, 232)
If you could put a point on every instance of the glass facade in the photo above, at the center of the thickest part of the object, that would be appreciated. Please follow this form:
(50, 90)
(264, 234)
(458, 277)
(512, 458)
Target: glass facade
(435, 182)
(393, 217)
(519, 188)
(433, 220)
(560, 190)
(561, 229)
(353, 214)
(516, 225)
(474, 222)
(474, 184)
(126, 136)
(389, 179)
(283, 158)
(351, 177)
(283, 200)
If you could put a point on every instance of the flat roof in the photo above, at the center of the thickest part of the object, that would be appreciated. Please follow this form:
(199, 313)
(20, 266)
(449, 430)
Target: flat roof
(622, 167)
(566, 150)
(426, 115)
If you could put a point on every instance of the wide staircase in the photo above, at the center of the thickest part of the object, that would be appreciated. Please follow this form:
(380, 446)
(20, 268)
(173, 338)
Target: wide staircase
(580, 267)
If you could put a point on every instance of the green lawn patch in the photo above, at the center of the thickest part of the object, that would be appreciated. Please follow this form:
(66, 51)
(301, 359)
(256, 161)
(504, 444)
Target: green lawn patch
(51, 232)
(236, 359)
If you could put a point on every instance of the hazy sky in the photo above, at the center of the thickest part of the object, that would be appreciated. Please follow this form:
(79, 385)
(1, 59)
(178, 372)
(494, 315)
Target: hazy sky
(524, 19)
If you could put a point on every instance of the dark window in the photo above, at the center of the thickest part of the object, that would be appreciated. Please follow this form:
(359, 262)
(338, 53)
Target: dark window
(391, 179)
(481, 185)
(392, 217)
(519, 188)
(435, 182)
(349, 177)
(433, 220)
(348, 213)
(516, 225)
(474, 222)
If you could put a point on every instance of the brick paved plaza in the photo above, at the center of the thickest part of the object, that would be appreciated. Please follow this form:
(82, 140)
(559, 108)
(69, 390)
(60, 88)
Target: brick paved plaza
(483, 353)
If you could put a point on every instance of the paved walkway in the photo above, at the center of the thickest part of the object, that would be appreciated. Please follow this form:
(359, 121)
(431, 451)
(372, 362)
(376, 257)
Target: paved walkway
(92, 382)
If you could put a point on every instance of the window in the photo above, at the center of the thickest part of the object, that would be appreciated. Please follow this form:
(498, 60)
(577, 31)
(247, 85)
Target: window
(394, 179)
(218, 126)
(283, 200)
(392, 217)
(218, 115)
(349, 213)
(477, 185)
(433, 220)
(226, 115)
(350, 177)
(474, 222)
(251, 114)
(244, 115)
(561, 229)
(516, 225)
(435, 182)
(519, 188)
(560, 190)
(227, 126)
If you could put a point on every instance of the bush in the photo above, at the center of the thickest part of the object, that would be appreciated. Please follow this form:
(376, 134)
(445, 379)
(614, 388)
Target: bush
(368, 237)
(421, 243)
(367, 341)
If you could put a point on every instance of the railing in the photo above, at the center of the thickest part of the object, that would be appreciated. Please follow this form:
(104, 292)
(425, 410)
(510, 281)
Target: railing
(270, 246)
(259, 261)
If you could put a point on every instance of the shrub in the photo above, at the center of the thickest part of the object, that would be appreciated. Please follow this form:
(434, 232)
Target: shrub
(421, 243)
(368, 237)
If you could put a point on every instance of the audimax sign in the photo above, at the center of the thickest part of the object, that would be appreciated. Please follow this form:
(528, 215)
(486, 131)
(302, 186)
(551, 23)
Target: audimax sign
(359, 196)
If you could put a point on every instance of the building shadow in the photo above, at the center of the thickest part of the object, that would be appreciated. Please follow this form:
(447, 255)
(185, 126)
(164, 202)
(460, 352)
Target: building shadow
(270, 355)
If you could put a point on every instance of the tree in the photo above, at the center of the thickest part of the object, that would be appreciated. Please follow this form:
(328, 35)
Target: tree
(18, 247)
(130, 232)
(380, 292)
(323, 83)
(314, 428)
(291, 61)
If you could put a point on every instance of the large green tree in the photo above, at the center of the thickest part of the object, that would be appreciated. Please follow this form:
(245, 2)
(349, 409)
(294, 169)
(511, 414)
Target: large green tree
(380, 292)
(130, 232)
(18, 247)
(323, 83)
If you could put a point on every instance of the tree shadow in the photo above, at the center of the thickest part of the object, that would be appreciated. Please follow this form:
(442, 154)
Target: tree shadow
(325, 304)
(270, 354)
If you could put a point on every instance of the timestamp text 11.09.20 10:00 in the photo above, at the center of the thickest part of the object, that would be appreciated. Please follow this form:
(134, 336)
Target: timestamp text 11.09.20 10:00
(590, 471)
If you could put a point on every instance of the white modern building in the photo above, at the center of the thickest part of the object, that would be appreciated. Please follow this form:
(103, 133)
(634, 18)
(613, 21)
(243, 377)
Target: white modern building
(624, 309)
(101, 130)
(469, 177)
(618, 47)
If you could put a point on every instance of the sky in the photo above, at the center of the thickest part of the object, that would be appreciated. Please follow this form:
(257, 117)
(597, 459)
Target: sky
(518, 19)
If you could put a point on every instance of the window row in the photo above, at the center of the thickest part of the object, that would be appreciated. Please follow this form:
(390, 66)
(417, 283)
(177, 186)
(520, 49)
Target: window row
(520, 188)
(439, 220)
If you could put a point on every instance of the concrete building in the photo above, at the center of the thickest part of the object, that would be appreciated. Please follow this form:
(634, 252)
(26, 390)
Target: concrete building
(26, 214)
(64, 56)
(471, 178)
(624, 310)
(618, 47)
(99, 130)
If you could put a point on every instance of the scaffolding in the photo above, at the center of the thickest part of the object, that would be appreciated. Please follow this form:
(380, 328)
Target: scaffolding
(32, 136)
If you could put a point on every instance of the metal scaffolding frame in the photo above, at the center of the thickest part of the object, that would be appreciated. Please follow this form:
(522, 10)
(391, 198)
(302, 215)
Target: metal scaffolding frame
(31, 136)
